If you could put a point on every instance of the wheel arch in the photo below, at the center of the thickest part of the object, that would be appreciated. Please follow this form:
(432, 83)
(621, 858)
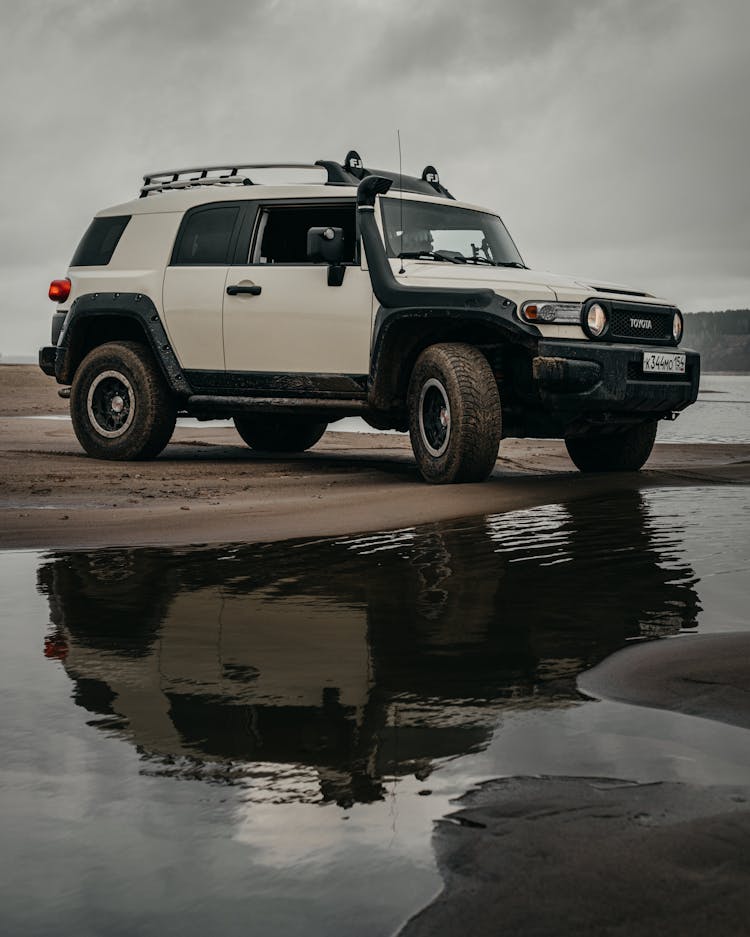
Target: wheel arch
(97, 318)
(401, 335)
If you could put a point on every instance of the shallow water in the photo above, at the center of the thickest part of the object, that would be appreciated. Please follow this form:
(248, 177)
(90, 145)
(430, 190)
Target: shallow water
(721, 414)
(257, 739)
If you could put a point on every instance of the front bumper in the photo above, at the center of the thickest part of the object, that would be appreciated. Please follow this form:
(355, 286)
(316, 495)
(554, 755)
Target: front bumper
(590, 378)
(47, 357)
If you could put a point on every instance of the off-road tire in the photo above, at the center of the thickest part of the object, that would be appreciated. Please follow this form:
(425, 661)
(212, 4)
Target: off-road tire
(269, 433)
(461, 376)
(150, 409)
(626, 451)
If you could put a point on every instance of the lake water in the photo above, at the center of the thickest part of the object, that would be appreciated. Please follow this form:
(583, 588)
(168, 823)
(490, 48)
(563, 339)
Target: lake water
(721, 414)
(258, 739)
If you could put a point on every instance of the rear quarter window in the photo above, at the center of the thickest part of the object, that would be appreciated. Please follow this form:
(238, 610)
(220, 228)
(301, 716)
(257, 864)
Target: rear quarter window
(206, 236)
(99, 242)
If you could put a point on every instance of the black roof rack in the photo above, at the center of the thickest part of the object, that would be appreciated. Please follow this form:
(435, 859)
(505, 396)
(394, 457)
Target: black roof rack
(350, 172)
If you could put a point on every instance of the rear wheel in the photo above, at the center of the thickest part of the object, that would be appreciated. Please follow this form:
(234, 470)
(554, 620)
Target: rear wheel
(272, 433)
(454, 414)
(626, 451)
(120, 404)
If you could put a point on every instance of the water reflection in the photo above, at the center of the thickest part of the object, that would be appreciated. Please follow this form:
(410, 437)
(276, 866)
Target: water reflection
(356, 660)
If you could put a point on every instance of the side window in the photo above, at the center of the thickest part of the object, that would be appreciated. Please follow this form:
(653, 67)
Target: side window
(99, 242)
(281, 234)
(206, 235)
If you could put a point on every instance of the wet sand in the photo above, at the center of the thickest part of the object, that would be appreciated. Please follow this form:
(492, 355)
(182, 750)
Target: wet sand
(208, 487)
(700, 675)
(597, 857)
(592, 857)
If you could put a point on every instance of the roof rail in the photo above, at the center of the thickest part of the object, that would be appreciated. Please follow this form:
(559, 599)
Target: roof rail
(349, 173)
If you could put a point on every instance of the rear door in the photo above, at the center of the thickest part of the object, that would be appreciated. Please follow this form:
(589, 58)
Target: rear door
(193, 292)
(294, 322)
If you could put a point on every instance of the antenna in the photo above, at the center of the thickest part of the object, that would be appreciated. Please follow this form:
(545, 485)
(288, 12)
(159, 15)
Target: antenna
(401, 199)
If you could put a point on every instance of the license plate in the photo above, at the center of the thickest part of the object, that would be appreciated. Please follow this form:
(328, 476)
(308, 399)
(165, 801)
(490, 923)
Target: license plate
(656, 362)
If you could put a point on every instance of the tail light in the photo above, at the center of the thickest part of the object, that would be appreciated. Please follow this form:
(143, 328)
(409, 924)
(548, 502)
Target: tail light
(59, 290)
(56, 646)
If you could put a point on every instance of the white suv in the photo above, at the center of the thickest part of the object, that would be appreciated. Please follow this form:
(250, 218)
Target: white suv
(363, 292)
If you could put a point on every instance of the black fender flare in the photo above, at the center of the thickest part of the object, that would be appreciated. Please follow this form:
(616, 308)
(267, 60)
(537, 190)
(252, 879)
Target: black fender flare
(131, 306)
(399, 335)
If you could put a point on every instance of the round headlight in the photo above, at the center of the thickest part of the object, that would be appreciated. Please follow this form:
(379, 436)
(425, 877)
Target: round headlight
(596, 319)
(677, 327)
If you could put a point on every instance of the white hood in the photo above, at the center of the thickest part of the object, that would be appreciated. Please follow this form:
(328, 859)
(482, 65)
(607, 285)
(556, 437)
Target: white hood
(515, 283)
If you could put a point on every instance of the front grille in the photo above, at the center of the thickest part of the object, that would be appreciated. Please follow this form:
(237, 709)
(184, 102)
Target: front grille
(641, 323)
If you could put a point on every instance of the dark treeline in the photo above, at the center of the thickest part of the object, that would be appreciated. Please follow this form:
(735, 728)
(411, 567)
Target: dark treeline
(722, 338)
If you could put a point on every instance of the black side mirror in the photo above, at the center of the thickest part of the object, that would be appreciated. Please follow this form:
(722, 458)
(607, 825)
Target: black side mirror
(326, 246)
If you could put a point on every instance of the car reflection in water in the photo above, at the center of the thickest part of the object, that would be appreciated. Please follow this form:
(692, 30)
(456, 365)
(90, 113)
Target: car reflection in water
(357, 659)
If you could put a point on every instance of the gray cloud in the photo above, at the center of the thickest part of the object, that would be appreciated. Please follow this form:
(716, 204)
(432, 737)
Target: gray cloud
(612, 135)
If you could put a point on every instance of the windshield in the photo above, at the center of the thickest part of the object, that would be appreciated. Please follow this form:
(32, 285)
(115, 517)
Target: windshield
(446, 232)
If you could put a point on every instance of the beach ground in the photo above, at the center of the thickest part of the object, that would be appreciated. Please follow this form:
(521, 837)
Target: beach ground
(208, 487)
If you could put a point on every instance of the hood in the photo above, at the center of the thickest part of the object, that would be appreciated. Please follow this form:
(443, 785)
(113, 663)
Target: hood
(512, 282)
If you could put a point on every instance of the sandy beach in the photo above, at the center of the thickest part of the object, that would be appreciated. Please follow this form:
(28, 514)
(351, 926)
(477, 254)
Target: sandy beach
(208, 487)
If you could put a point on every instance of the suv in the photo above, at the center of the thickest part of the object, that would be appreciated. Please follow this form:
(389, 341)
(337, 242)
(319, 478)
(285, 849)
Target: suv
(369, 293)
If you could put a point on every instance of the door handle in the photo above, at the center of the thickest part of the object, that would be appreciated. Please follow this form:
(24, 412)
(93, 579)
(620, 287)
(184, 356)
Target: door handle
(236, 288)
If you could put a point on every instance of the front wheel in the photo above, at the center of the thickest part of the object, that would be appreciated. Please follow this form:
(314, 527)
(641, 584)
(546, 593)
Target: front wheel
(271, 433)
(454, 414)
(120, 404)
(625, 451)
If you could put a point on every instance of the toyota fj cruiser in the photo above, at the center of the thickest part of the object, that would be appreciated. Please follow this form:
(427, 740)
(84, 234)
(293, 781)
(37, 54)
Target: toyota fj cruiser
(286, 307)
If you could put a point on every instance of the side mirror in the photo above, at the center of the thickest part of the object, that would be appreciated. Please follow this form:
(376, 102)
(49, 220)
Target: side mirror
(325, 245)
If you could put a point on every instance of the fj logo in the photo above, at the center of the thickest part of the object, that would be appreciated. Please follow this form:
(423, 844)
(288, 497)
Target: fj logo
(640, 324)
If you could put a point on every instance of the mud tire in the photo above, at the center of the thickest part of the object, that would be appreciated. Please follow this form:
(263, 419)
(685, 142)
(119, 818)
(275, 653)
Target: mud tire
(270, 433)
(460, 376)
(147, 429)
(626, 451)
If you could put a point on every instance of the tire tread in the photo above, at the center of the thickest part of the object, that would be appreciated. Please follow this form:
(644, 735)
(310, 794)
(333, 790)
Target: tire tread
(146, 438)
(476, 415)
(626, 451)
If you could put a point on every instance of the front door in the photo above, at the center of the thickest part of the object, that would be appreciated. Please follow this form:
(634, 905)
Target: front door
(280, 314)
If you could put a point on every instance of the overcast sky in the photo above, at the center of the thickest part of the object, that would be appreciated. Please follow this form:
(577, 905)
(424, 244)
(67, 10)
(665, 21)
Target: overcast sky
(613, 136)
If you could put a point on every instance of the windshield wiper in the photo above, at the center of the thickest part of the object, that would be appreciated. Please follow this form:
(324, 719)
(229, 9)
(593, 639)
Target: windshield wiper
(434, 255)
(495, 263)
(480, 260)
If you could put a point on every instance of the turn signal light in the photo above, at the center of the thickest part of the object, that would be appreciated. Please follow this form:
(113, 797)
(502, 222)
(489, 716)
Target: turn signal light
(59, 290)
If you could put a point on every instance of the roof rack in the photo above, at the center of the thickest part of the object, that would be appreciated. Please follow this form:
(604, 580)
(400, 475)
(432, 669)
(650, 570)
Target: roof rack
(172, 178)
(349, 173)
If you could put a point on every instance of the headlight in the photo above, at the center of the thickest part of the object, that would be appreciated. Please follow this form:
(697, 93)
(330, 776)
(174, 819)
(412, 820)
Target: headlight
(596, 320)
(677, 327)
(569, 313)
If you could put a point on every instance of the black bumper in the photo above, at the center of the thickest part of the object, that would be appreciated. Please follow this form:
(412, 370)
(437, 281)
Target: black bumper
(47, 357)
(592, 378)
